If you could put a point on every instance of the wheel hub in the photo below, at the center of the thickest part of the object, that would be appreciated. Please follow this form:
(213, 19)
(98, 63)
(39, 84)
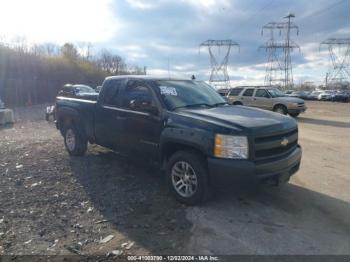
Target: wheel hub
(184, 179)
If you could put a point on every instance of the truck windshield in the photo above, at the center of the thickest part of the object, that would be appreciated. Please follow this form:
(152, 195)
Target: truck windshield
(274, 92)
(187, 93)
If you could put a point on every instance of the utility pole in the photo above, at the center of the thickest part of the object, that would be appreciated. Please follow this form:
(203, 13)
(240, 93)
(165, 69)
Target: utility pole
(219, 76)
(278, 64)
(339, 53)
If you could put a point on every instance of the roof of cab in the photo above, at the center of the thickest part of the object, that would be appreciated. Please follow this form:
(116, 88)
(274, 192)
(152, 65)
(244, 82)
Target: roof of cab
(144, 77)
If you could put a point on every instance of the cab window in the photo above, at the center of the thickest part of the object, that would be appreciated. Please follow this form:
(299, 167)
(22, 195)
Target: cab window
(248, 92)
(261, 93)
(235, 91)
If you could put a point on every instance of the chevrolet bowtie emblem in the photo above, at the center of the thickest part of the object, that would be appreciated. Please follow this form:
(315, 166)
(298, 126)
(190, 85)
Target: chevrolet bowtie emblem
(284, 142)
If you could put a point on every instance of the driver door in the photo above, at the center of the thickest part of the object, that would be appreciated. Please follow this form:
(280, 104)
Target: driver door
(141, 127)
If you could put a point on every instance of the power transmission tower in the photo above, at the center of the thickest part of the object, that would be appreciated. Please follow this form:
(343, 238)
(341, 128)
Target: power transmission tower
(339, 52)
(219, 77)
(279, 68)
(273, 74)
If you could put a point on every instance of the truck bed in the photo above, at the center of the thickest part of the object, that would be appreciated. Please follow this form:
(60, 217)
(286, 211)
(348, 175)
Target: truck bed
(81, 110)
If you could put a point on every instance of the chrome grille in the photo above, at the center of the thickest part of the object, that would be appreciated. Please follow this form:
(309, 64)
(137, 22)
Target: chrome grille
(275, 145)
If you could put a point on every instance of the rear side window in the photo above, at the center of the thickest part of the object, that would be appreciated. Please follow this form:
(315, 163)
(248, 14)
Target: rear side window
(261, 93)
(111, 91)
(236, 91)
(248, 92)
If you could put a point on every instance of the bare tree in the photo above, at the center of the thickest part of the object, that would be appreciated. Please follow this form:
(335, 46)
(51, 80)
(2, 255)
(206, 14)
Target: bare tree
(112, 64)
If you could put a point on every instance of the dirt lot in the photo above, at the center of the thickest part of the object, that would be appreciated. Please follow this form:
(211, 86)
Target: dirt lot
(51, 203)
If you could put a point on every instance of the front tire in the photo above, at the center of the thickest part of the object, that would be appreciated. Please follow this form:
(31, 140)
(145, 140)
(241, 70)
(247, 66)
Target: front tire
(280, 109)
(187, 177)
(294, 114)
(75, 143)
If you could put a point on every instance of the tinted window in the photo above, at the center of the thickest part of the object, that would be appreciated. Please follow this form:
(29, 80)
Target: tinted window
(111, 92)
(236, 91)
(261, 93)
(248, 92)
(135, 89)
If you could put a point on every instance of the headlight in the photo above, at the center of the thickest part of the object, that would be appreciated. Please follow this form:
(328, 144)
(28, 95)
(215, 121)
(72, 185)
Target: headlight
(231, 147)
(295, 104)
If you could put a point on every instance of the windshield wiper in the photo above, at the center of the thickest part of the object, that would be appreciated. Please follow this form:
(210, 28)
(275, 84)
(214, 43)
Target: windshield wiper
(193, 105)
(220, 104)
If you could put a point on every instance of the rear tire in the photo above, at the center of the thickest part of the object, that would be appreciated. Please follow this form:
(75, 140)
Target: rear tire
(280, 109)
(237, 104)
(294, 114)
(187, 177)
(75, 143)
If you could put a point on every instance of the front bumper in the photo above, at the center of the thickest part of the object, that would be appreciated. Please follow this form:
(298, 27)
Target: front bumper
(227, 171)
(296, 110)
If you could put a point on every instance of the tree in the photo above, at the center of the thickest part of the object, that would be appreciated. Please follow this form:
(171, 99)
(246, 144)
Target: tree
(112, 64)
(70, 52)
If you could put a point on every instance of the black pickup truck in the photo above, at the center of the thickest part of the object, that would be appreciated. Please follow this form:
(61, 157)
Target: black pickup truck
(187, 128)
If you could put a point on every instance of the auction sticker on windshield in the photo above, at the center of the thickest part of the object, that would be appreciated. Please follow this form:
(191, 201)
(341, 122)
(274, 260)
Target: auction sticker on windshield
(167, 90)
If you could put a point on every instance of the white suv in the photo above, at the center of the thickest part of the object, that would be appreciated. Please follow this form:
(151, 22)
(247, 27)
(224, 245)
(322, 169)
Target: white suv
(268, 98)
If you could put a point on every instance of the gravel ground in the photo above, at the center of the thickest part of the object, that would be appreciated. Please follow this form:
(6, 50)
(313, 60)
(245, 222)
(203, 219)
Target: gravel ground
(51, 203)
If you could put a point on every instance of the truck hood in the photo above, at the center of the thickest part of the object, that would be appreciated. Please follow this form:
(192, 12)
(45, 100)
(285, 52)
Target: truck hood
(241, 118)
(290, 99)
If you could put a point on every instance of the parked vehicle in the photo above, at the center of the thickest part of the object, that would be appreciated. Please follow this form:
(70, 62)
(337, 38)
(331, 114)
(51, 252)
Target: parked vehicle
(224, 92)
(98, 89)
(314, 95)
(325, 96)
(50, 112)
(78, 91)
(268, 98)
(300, 94)
(341, 96)
(187, 128)
(288, 92)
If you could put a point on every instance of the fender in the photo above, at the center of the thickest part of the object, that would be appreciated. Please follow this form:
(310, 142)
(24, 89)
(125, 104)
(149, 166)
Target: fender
(64, 112)
(200, 140)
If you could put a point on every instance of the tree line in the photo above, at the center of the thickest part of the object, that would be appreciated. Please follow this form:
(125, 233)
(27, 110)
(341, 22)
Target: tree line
(34, 74)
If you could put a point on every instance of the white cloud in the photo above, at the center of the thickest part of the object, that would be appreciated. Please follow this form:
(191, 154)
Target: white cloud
(142, 4)
(209, 5)
(58, 21)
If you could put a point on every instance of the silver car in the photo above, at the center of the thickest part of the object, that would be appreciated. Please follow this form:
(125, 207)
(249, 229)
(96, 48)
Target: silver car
(268, 98)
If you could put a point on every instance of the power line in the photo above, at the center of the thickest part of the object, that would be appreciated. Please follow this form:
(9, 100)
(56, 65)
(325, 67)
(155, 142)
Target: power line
(320, 11)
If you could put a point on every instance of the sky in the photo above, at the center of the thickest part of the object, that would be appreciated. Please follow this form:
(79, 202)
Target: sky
(165, 35)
